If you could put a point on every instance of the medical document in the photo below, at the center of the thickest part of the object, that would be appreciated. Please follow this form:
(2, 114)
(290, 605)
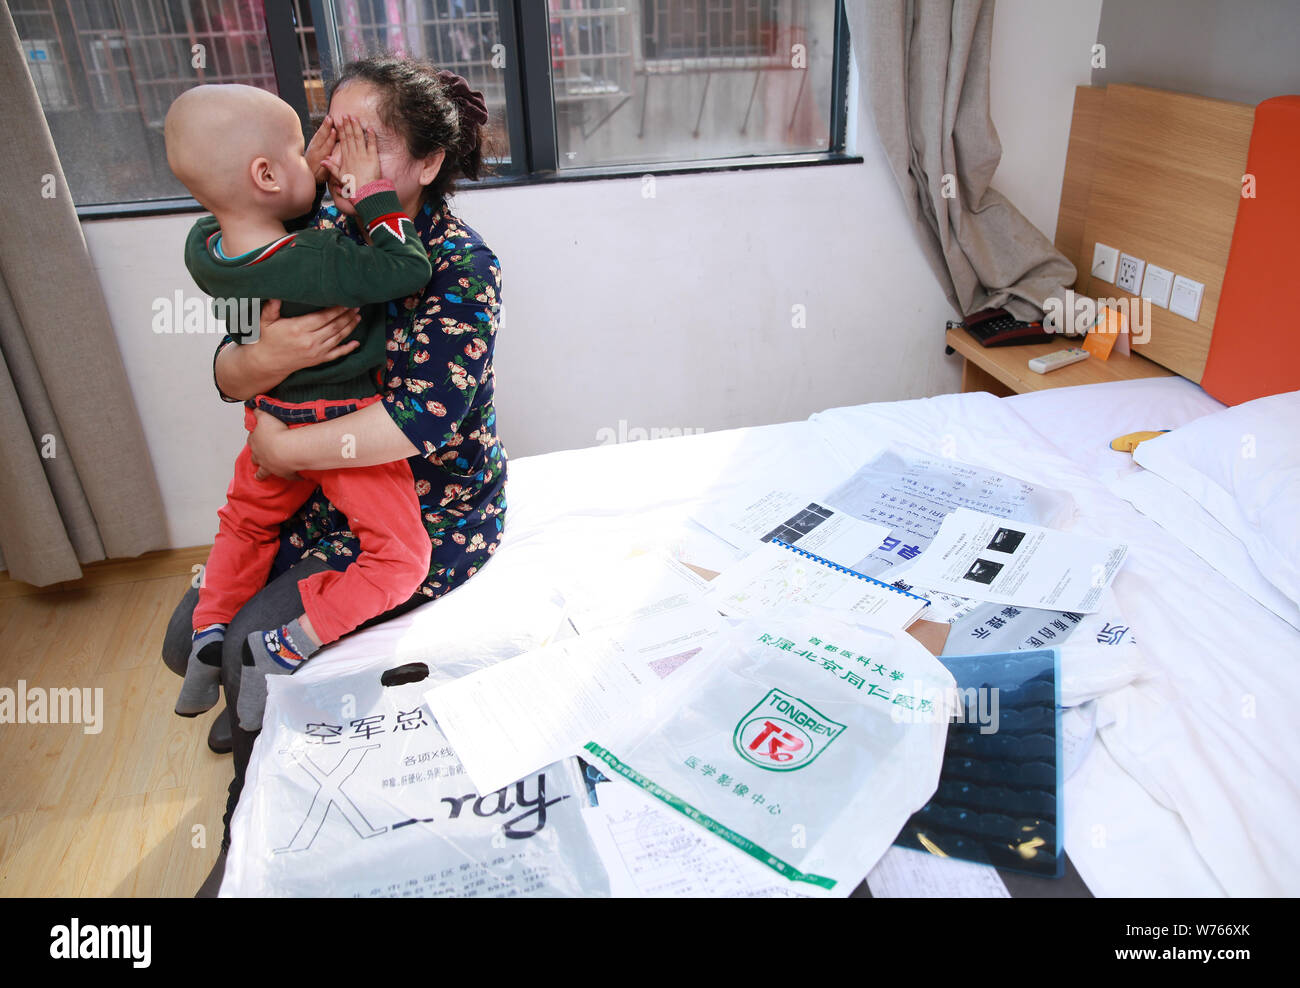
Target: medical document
(773, 575)
(514, 717)
(911, 492)
(650, 851)
(748, 522)
(989, 558)
(907, 874)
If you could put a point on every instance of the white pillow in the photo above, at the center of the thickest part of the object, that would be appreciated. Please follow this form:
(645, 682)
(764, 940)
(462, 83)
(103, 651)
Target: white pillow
(1192, 525)
(1242, 465)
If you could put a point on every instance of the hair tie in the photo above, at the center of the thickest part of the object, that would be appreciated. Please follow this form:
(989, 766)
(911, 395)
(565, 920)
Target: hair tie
(469, 101)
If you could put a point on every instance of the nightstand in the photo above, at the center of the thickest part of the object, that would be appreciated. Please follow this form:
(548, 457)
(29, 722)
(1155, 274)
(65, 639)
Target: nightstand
(1005, 370)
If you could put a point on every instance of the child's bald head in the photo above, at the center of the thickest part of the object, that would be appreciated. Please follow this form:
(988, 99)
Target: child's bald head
(231, 145)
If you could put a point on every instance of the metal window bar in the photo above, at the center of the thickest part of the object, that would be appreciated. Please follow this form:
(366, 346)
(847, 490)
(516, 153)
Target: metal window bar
(719, 35)
(103, 56)
(452, 34)
(139, 54)
(47, 58)
(463, 36)
(309, 58)
(459, 35)
(591, 49)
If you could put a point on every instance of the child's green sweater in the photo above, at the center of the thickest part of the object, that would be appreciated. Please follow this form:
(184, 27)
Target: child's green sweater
(313, 269)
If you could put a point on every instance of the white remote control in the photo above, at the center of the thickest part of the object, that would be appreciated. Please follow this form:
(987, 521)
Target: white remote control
(1057, 360)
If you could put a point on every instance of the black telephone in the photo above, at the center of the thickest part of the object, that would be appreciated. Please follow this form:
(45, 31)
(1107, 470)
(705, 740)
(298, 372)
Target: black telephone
(998, 327)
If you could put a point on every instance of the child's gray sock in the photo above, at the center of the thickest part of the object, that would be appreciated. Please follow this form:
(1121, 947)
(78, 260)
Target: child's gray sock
(277, 652)
(201, 689)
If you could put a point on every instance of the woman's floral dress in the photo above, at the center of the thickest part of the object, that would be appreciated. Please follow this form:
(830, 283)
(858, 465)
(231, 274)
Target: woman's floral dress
(440, 384)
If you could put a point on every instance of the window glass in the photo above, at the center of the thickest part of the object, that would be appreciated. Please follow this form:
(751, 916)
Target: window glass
(647, 81)
(463, 36)
(107, 72)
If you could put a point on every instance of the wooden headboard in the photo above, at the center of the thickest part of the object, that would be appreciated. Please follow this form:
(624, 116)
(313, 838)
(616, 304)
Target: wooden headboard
(1157, 175)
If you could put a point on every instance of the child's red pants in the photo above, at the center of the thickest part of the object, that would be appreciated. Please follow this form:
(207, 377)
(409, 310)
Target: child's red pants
(382, 511)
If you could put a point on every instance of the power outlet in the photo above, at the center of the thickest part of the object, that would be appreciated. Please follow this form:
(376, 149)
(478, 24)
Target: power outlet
(1104, 261)
(1186, 298)
(1157, 285)
(1130, 273)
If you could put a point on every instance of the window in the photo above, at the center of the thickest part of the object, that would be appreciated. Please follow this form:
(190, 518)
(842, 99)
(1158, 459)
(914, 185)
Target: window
(699, 29)
(463, 36)
(574, 87)
(688, 80)
(107, 70)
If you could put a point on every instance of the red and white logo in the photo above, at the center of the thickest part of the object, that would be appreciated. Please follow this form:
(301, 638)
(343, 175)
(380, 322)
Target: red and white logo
(782, 733)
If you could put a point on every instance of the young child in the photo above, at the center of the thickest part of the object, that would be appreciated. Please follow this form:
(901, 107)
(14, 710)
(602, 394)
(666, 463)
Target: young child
(240, 152)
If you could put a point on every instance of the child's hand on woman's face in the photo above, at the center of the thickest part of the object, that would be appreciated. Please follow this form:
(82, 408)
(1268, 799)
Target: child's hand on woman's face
(355, 161)
(322, 145)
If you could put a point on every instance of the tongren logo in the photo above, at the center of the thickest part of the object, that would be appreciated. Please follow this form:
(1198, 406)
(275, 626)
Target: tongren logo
(782, 733)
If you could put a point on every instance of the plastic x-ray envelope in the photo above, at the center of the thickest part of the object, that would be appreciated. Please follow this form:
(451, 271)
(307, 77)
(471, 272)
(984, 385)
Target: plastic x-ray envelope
(807, 744)
(352, 791)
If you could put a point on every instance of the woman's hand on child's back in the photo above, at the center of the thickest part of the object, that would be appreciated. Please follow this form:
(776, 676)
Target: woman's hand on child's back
(284, 345)
(355, 161)
(292, 343)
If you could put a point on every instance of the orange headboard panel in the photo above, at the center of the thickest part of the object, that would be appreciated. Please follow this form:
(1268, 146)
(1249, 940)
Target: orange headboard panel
(1255, 349)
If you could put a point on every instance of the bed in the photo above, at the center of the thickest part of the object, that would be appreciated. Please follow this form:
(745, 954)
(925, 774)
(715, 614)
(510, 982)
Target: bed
(1189, 787)
(1182, 794)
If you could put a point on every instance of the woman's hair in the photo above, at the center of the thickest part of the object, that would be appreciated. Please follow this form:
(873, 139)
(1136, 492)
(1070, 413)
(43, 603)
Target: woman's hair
(430, 111)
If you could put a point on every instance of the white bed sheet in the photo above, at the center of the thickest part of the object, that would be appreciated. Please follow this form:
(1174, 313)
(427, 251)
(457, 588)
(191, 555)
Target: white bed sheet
(1111, 821)
(1209, 732)
(1188, 784)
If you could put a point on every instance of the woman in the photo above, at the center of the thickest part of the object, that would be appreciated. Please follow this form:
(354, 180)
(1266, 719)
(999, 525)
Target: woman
(437, 409)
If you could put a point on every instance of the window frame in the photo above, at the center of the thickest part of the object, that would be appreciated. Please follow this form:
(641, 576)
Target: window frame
(530, 122)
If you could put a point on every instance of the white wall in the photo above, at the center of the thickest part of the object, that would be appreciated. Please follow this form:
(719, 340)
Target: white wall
(671, 312)
(1222, 49)
(1041, 51)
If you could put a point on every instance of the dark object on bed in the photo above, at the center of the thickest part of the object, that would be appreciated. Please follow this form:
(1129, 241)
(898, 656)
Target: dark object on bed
(999, 796)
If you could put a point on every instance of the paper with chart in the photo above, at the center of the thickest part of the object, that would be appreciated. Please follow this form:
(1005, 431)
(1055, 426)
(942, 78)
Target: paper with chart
(513, 717)
(748, 521)
(772, 575)
(990, 558)
(650, 851)
(912, 491)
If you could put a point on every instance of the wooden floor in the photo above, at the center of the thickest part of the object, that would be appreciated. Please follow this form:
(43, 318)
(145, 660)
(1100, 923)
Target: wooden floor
(136, 809)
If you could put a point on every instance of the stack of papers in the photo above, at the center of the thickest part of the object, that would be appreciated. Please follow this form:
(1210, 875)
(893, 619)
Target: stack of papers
(643, 631)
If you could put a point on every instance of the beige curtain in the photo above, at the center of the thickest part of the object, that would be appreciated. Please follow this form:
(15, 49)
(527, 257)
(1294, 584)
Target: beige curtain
(925, 64)
(76, 484)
